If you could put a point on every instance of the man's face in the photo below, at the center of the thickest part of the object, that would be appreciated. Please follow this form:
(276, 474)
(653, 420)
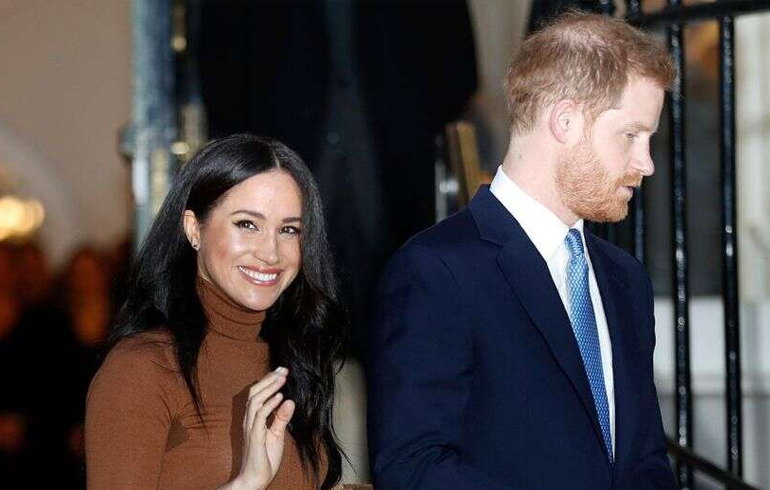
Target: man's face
(596, 177)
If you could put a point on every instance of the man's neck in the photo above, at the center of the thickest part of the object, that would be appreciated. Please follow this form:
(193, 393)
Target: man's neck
(533, 168)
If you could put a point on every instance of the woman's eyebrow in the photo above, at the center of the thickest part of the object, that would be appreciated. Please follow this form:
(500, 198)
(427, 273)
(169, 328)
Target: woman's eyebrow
(258, 215)
(250, 213)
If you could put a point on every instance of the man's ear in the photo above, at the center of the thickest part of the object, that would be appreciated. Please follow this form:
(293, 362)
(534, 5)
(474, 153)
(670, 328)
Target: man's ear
(564, 120)
(192, 229)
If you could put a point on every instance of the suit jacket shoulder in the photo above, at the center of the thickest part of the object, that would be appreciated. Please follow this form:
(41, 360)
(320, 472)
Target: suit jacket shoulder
(449, 234)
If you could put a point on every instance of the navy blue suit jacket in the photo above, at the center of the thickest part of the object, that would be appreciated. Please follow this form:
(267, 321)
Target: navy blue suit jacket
(475, 377)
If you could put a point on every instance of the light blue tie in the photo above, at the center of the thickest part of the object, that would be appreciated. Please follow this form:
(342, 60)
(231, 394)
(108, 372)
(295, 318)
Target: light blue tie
(584, 327)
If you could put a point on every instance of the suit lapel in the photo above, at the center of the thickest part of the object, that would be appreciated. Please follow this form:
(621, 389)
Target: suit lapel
(527, 274)
(620, 321)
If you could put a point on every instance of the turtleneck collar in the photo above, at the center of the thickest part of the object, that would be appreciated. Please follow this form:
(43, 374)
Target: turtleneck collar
(227, 318)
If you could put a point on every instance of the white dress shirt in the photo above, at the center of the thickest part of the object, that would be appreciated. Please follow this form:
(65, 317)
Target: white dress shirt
(547, 232)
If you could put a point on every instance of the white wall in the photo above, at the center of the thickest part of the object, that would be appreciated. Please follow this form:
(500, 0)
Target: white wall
(64, 92)
(753, 137)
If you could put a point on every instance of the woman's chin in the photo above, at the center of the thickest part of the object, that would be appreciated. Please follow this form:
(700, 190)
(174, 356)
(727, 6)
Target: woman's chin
(259, 303)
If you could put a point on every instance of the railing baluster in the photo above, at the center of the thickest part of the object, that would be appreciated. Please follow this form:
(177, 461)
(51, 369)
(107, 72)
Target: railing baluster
(683, 396)
(730, 241)
(633, 8)
(607, 7)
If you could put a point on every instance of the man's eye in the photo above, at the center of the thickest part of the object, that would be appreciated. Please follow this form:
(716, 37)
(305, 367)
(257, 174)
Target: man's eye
(631, 135)
(247, 224)
(291, 230)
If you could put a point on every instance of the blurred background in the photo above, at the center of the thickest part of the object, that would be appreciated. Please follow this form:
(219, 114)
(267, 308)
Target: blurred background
(102, 100)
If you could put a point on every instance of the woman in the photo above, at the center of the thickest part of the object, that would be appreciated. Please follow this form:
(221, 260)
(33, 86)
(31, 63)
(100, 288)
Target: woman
(234, 284)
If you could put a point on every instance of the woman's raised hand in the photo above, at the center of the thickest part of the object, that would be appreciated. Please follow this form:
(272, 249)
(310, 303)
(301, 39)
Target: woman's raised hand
(263, 444)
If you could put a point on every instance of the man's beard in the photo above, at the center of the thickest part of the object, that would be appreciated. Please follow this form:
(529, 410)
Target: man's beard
(588, 190)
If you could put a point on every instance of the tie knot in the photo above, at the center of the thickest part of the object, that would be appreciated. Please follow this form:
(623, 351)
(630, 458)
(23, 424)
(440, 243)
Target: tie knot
(574, 243)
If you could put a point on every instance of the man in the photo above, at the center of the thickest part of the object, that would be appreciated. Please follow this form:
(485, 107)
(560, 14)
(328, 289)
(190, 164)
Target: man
(513, 349)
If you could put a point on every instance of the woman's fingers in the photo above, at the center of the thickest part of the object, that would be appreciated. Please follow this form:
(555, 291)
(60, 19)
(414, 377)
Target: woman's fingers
(282, 418)
(255, 403)
(260, 422)
(262, 383)
(264, 398)
(260, 392)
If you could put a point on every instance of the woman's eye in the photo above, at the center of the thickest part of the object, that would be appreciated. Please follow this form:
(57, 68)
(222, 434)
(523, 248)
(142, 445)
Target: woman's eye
(247, 224)
(291, 230)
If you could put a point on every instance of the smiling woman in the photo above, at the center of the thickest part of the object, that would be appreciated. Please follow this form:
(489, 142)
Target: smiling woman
(221, 370)
(250, 244)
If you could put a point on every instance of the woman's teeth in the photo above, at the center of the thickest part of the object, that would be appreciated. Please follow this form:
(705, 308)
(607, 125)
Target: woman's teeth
(258, 275)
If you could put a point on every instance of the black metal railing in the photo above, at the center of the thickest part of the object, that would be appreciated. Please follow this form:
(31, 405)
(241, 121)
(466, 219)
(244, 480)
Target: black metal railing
(730, 241)
(674, 18)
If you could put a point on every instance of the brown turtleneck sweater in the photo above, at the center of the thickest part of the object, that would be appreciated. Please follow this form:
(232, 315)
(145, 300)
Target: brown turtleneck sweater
(141, 429)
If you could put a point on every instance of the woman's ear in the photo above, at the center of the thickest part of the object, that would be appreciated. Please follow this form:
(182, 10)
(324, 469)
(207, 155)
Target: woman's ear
(192, 229)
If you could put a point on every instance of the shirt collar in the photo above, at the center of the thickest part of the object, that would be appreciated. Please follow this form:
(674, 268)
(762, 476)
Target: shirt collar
(541, 225)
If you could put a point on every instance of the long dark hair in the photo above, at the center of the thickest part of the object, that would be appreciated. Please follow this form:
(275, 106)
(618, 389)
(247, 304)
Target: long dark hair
(304, 328)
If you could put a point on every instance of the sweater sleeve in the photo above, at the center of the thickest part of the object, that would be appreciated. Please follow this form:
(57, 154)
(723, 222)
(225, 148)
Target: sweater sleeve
(129, 410)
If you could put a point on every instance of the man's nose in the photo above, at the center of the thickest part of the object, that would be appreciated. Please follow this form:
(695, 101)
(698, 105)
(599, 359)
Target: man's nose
(644, 163)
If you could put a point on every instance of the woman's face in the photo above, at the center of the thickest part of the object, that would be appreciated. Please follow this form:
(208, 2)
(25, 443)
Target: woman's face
(249, 245)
